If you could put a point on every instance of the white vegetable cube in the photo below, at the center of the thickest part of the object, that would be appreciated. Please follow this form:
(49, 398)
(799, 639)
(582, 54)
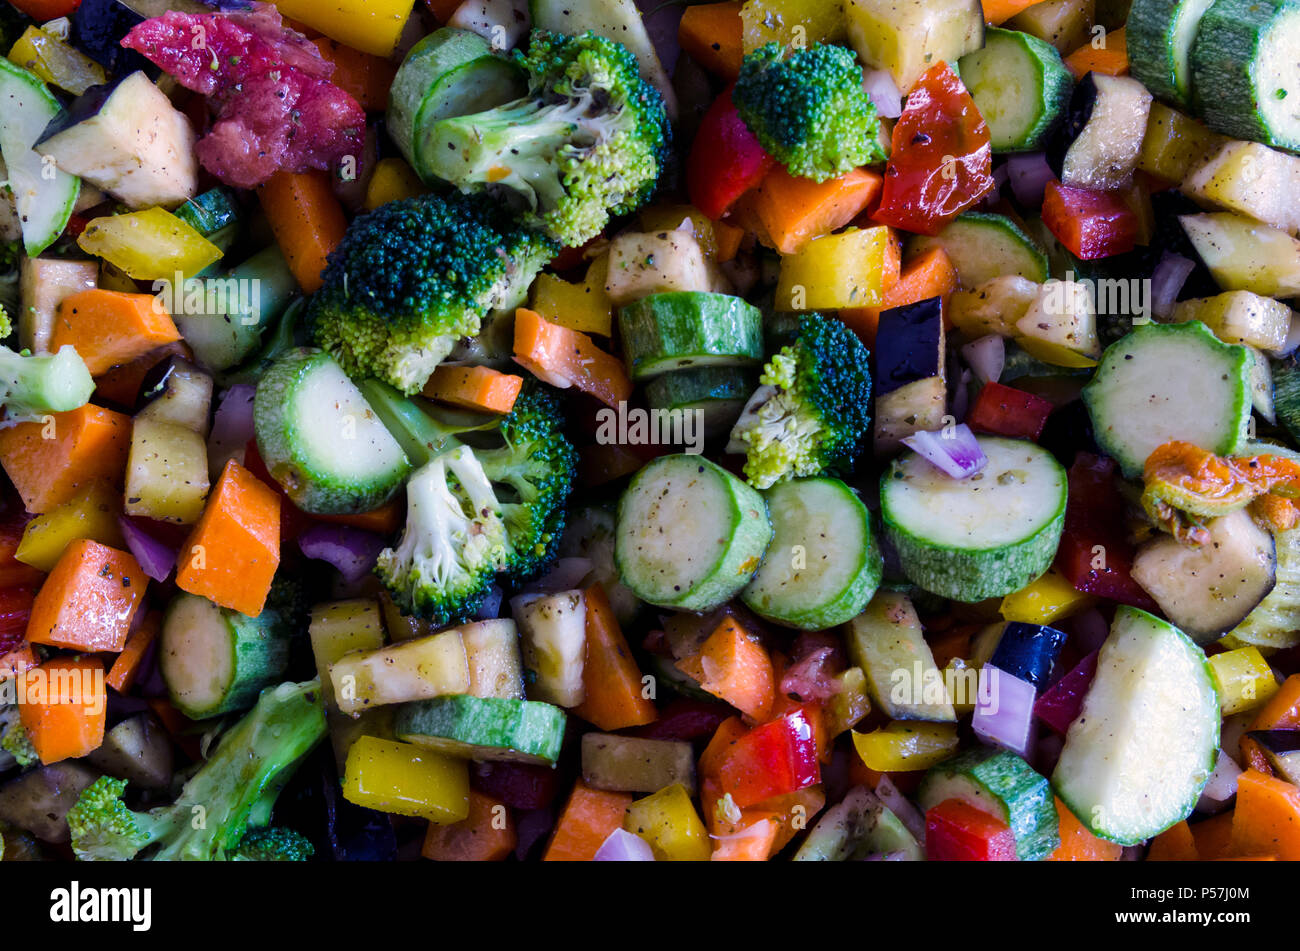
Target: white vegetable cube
(1063, 313)
(495, 665)
(1250, 179)
(167, 472)
(907, 37)
(554, 629)
(417, 669)
(644, 263)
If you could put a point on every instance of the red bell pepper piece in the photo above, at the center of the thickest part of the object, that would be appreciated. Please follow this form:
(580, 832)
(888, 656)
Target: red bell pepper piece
(1090, 224)
(45, 10)
(958, 832)
(941, 159)
(15, 611)
(1059, 706)
(1094, 554)
(725, 161)
(1006, 411)
(772, 759)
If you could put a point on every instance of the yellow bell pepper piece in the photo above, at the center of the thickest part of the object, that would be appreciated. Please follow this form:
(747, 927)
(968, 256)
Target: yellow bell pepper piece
(849, 705)
(1245, 680)
(903, 746)
(583, 307)
(372, 26)
(404, 779)
(91, 513)
(1044, 600)
(392, 180)
(792, 22)
(1054, 354)
(667, 820)
(149, 245)
(834, 271)
(56, 62)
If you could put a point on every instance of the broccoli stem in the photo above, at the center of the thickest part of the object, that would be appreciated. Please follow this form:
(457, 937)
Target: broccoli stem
(421, 436)
(49, 383)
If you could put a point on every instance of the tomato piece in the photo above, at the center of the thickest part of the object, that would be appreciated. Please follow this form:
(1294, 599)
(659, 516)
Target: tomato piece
(941, 160)
(1091, 224)
(772, 759)
(725, 161)
(1006, 411)
(958, 832)
(43, 10)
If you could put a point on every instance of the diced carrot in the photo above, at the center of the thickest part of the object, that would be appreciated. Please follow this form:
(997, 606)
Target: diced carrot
(712, 34)
(111, 327)
(928, 275)
(1266, 820)
(564, 357)
(121, 384)
(1175, 844)
(724, 737)
(1281, 712)
(121, 676)
(49, 461)
(752, 844)
(1111, 59)
(727, 237)
(733, 666)
(588, 818)
(1213, 837)
(384, 520)
(231, 556)
(17, 661)
(611, 679)
(364, 77)
(796, 210)
(88, 600)
(307, 219)
(1000, 11)
(487, 834)
(474, 388)
(1078, 844)
(64, 707)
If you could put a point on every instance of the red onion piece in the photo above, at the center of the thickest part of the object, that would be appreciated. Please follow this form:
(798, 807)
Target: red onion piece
(1167, 281)
(954, 451)
(232, 428)
(1029, 175)
(1006, 717)
(1222, 785)
(882, 89)
(624, 846)
(987, 356)
(352, 551)
(156, 558)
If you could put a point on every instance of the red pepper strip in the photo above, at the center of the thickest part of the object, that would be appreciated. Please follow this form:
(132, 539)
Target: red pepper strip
(1006, 411)
(1090, 224)
(725, 161)
(958, 832)
(941, 160)
(1059, 706)
(772, 759)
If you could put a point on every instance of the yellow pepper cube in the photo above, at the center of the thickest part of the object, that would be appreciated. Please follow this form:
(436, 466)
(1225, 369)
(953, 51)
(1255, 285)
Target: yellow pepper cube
(791, 22)
(392, 180)
(149, 245)
(1044, 600)
(55, 61)
(667, 820)
(1245, 679)
(834, 271)
(91, 513)
(902, 745)
(405, 779)
(583, 307)
(372, 26)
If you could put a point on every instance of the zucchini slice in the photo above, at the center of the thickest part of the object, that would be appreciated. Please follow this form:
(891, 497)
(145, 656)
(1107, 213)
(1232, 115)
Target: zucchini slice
(484, 728)
(1007, 788)
(983, 246)
(1164, 382)
(887, 638)
(1021, 86)
(320, 439)
(984, 536)
(680, 329)
(858, 826)
(1159, 36)
(1145, 743)
(824, 564)
(690, 534)
(719, 393)
(1246, 72)
(1245, 255)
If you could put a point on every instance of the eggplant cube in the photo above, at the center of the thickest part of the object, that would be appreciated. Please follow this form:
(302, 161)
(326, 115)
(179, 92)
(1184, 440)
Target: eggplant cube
(1028, 651)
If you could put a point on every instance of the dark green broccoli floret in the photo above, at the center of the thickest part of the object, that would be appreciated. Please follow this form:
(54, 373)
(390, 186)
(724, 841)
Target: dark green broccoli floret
(812, 412)
(412, 277)
(273, 845)
(809, 109)
(230, 792)
(588, 141)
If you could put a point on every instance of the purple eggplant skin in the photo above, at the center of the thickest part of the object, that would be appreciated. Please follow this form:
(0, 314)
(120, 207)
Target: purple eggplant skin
(98, 27)
(909, 345)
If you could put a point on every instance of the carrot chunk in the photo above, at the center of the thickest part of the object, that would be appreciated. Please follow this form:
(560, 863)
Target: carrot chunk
(111, 327)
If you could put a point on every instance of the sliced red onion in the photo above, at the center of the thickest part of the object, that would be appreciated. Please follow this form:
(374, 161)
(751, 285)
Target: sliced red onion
(352, 551)
(624, 846)
(565, 575)
(960, 404)
(232, 428)
(156, 558)
(986, 356)
(1222, 785)
(882, 89)
(1167, 281)
(954, 451)
(1005, 716)
(902, 807)
(1059, 705)
(1029, 175)
(994, 194)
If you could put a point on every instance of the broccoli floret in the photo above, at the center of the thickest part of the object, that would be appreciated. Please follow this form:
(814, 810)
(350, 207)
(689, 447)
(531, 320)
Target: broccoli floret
(453, 544)
(816, 416)
(273, 845)
(15, 741)
(414, 276)
(214, 810)
(809, 109)
(588, 141)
